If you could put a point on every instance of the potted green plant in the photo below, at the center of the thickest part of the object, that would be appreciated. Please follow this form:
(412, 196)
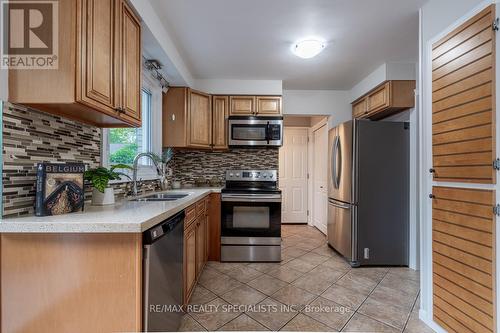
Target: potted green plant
(102, 193)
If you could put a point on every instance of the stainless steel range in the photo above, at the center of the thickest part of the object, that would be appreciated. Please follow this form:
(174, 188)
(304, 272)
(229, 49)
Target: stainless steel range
(251, 217)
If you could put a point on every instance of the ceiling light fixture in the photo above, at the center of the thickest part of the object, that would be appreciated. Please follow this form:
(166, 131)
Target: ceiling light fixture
(308, 48)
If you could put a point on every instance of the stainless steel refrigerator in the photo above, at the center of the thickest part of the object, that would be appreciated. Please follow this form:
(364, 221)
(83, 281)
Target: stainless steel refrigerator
(368, 190)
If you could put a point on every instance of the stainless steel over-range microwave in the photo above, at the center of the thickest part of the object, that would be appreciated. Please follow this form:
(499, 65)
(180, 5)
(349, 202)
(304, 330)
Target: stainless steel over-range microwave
(255, 131)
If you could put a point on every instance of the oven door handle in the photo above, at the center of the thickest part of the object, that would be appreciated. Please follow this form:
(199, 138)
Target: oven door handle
(251, 198)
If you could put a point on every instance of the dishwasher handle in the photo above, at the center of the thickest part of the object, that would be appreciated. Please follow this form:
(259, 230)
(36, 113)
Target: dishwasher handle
(153, 234)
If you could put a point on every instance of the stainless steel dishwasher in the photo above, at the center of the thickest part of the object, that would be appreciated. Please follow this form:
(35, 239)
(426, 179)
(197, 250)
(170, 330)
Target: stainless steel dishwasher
(162, 275)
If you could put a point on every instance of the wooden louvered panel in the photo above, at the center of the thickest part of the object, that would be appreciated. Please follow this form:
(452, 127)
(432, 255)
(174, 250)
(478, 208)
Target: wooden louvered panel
(478, 106)
(463, 103)
(466, 31)
(461, 310)
(464, 72)
(470, 304)
(463, 85)
(463, 256)
(475, 293)
(469, 121)
(448, 322)
(470, 44)
(479, 91)
(481, 278)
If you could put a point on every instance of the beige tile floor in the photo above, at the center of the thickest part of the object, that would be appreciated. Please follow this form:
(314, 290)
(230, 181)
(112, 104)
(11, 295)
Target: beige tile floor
(312, 289)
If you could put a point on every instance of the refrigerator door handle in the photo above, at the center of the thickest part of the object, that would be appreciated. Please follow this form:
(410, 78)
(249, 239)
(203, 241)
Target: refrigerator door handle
(338, 205)
(336, 154)
(334, 162)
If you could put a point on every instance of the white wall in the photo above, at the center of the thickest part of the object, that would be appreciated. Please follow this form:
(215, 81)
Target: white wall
(332, 103)
(437, 17)
(386, 71)
(239, 87)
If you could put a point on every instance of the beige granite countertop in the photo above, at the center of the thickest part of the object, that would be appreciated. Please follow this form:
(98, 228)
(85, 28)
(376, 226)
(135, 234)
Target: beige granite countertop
(123, 217)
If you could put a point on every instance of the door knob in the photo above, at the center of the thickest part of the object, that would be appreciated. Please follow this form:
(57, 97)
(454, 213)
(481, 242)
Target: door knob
(432, 196)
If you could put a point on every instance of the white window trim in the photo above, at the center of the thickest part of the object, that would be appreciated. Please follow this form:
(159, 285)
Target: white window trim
(145, 172)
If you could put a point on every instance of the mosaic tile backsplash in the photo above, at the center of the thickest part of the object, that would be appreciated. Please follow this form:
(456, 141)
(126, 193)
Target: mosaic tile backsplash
(188, 165)
(30, 136)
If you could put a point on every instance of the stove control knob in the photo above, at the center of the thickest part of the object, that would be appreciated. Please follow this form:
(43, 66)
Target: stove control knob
(264, 175)
(231, 174)
(237, 175)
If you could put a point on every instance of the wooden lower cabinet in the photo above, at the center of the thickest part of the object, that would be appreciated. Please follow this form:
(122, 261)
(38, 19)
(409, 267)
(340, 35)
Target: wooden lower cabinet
(71, 282)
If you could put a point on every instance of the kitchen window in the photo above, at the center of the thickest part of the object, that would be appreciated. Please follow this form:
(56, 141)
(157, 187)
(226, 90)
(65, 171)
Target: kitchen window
(121, 145)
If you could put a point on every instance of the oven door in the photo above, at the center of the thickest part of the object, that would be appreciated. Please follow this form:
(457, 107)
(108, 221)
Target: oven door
(250, 218)
(255, 132)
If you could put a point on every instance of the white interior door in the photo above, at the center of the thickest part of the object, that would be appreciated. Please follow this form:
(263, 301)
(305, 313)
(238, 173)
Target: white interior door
(293, 175)
(319, 178)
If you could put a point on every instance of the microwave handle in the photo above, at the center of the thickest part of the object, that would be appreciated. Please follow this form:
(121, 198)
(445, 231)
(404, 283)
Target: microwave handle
(268, 133)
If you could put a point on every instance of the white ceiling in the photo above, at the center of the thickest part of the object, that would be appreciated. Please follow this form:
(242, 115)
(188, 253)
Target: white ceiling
(251, 39)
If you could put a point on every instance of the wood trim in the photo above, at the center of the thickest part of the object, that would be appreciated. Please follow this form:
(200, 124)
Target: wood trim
(214, 212)
(220, 114)
(463, 245)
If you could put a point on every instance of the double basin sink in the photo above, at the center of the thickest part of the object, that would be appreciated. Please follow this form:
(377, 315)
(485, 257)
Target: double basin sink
(162, 197)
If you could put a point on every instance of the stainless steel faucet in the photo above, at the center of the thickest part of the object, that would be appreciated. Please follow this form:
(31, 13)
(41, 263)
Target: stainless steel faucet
(136, 161)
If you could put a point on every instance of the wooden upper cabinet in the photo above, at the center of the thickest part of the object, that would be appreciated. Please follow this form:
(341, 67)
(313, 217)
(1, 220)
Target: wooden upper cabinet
(379, 99)
(242, 106)
(463, 102)
(268, 105)
(130, 38)
(187, 119)
(98, 69)
(199, 120)
(359, 109)
(220, 112)
(386, 99)
(99, 62)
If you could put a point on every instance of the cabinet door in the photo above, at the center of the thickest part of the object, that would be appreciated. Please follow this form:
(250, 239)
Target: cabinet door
(220, 113)
(189, 260)
(380, 98)
(199, 120)
(130, 67)
(359, 108)
(200, 244)
(242, 105)
(268, 105)
(97, 65)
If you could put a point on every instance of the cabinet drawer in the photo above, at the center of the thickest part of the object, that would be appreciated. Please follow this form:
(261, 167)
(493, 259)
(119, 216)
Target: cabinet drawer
(379, 98)
(359, 108)
(200, 207)
(190, 215)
